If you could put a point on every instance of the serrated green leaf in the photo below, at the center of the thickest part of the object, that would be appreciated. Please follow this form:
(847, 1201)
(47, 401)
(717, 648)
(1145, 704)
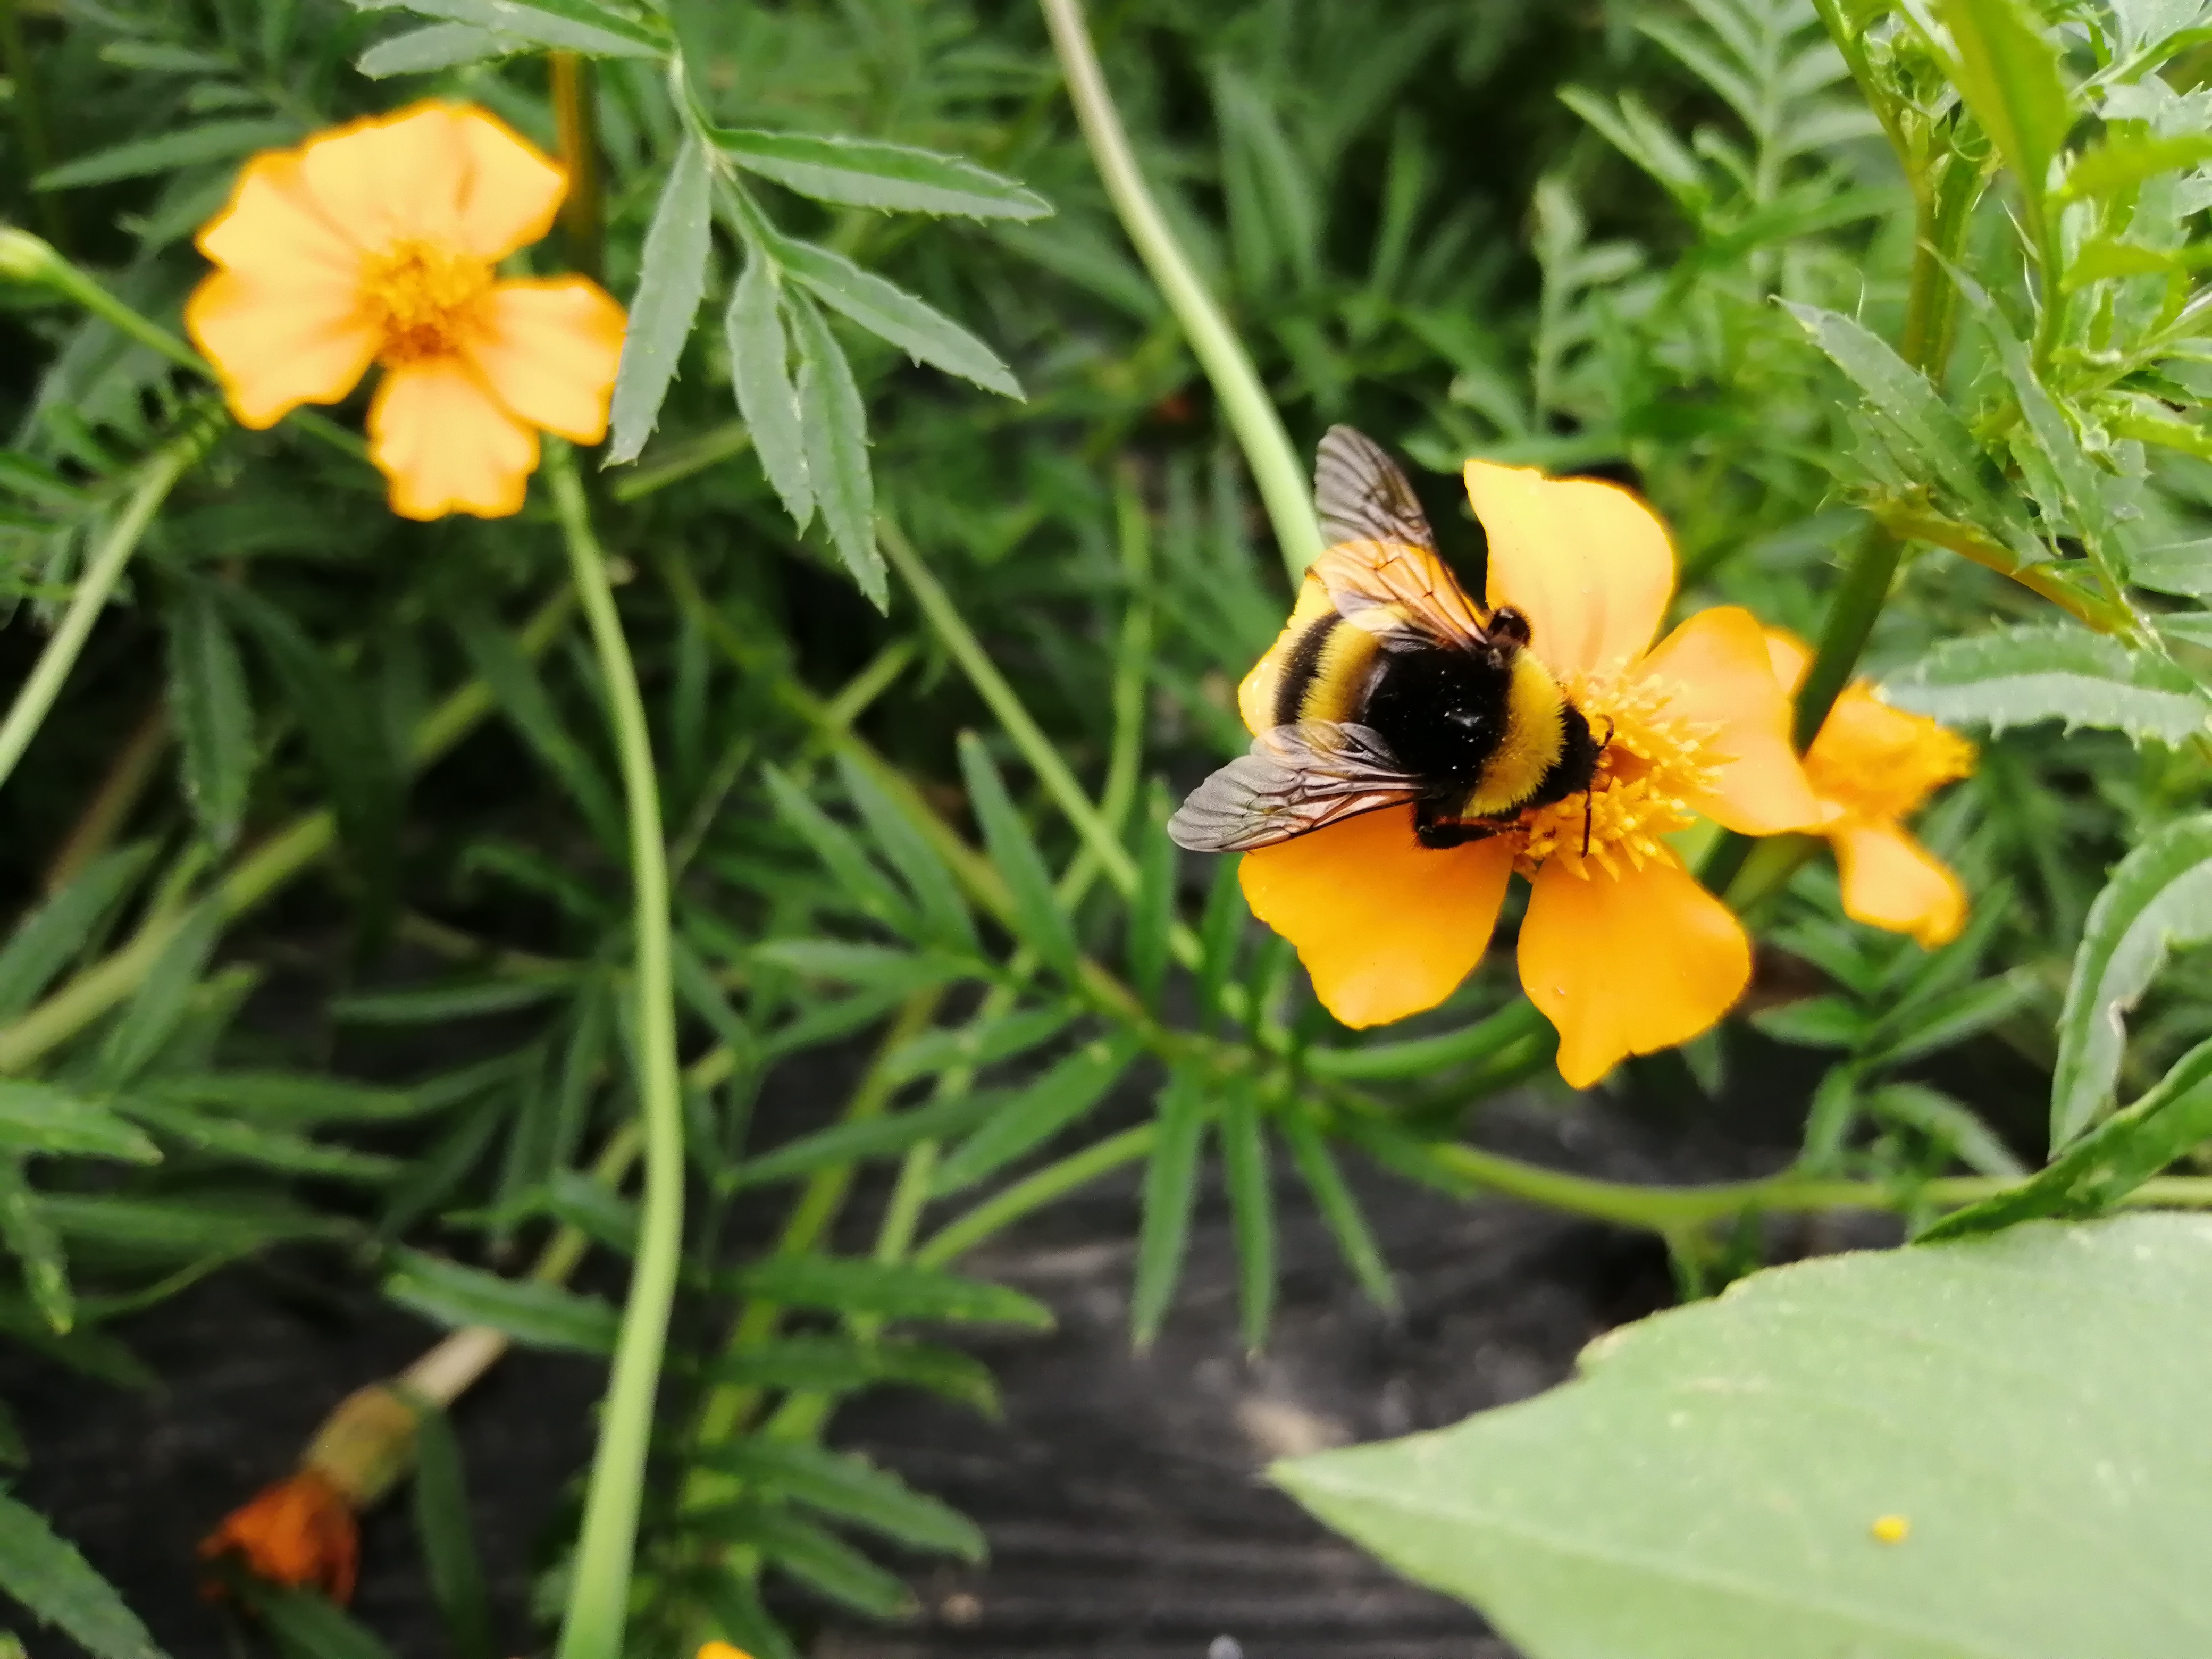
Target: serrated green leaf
(38, 1251)
(1339, 1208)
(1925, 1024)
(2126, 160)
(211, 141)
(2006, 68)
(734, 1604)
(945, 916)
(853, 1490)
(46, 940)
(435, 46)
(2019, 676)
(814, 1556)
(982, 1042)
(1824, 1022)
(760, 374)
(564, 25)
(866, 886)
(448, 1539)
(161, 1000)
(2175, 567)
(248, 1143)
(538, 1315)
(833, 422)
(841, 1364)
(215, 720)
(1171, 1190)
(867, 172)
(181, 1228)
(1708, 1487)
(291, 1099)
(1902, 395)
(1251, 1210)
(891, 313)
(43, 1117)
(671, 282)
(1071, 1088)
(1038, 918)
(878, 966)
(50, 1579)
(1949, 1122)
(2158, 900)
(867, 1137)
(891, 1289)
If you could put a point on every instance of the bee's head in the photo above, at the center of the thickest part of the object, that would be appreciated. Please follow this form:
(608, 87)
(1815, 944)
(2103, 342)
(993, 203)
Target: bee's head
(1506, 634)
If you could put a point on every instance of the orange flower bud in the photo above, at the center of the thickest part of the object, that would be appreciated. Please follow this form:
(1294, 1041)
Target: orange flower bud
(298, 1531)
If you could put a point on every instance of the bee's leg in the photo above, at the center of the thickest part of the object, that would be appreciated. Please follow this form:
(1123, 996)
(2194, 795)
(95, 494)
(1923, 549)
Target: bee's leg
(1437, 833)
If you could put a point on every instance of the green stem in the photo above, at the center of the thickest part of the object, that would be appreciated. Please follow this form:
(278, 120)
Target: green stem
(157, 476)
(581, 224)
(1425, 1056)
(1284, 484)
(599, 1595)
(1054, 1181)
(30, 118)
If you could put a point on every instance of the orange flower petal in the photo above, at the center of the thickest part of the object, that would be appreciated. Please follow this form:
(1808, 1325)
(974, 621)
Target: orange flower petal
(447, 174)
(1719, 673)
(549, 349)
(1385, 927)
(1890, 880)
(275, 347)
(272, 229)
(1588, 562)
(1628, 965)
(1256, 697)
(298, 1530)
(1790, 657)
(447, 445)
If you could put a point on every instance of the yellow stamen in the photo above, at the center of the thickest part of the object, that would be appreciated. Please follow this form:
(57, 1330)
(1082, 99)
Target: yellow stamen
(424, 298)
(1653, 761)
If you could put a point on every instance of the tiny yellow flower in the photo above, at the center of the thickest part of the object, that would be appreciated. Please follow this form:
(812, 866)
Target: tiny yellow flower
(1872, 767)
(721, 1651)
(1890, 1529)
(376, 243)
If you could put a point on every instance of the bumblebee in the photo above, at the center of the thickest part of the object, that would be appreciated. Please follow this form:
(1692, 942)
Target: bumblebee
(1400, 689)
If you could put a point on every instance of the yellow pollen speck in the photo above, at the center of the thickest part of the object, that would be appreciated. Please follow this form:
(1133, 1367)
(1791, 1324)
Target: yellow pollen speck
(1890, 1529)
(424, 299)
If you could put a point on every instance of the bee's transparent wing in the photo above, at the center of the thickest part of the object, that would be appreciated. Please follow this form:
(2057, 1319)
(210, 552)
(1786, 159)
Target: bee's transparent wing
(1381, 570)
(1295, 778)
(1362, 497)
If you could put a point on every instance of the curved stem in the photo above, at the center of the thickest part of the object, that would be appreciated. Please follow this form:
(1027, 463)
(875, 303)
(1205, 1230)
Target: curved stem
(1283, 485)
(599, 1595)
(157, 476)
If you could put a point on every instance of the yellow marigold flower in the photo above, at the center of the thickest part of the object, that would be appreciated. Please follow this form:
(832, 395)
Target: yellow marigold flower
(299, 1530)
(1622, 950)
(376, 242)
(1872, 767)
(721, 1651)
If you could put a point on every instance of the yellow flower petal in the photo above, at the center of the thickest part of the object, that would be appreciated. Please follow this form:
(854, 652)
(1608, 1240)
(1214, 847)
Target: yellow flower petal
(1790, 657)
(1720, 675)
(446, 175)
(447, 445)
(1890, 880)
(1881, 762)
(1256, 697)
(1588, 562)
(1628, 965)
(549, 350)
(275, 347)
(272, 230)
(509, 190)
(1386, 928)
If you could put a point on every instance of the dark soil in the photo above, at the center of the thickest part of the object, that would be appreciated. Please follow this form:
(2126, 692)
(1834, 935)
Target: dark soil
(1123, 1495)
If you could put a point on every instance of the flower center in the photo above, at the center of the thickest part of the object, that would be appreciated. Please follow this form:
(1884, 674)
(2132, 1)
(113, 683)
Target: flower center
(1653, 761)
(423, 298)
(1877, 762)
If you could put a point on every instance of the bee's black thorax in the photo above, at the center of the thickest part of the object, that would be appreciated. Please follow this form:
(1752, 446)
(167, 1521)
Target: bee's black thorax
(1441, 712)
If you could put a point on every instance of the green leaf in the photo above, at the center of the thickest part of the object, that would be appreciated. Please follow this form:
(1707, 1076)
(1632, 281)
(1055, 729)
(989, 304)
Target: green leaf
(1824, 1022)
(1930, 430)
(538, 1315)
(814, 1557)
(945, 916)
(248, 1143)
(760, 374)
(2111, 1161)
(734, 1605)
(894, 1290)
(1943, 1119)
(182, 1228)
(214, 719)
(1708, 1486)
(2123, 162)
(43, 1117)
(864, 884)
(1923, 1024)
(2158, 900)
(47, 940)
(161, 1000)
(565, 25)
(524, 698)
(979, 1042)
(24, 1228)
(833, 422)
(1220, 932)
(841, 1364)
(439, 1003)
(2006, 68)
(1171, 1190)
(212, 140)
(853, 1490)
(1339, 1208)
(293, 1099)
(867, 1137)
(881, 967)
(891, 313)
(1042, 923)
(2018, 675)
(866, 173)
(1251, 1210)
(671, 280)
(1152, 911)
(2175, 567)
(435, 46)
(1071, 1088)
(447, 1539)
(307, 1625)
(50, 1579)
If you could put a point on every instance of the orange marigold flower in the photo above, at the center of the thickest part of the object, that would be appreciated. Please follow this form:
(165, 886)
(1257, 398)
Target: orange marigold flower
(376, 242)
(299, 1531)
(1622, 950)
(1872, 767)
(721, 1651)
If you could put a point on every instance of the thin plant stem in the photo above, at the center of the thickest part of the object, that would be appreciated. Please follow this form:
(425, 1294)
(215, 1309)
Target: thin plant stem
(110, 807)
(1054, 1181)
(582, 224)
(1283, 485)
(599, 1595)
(157, 476)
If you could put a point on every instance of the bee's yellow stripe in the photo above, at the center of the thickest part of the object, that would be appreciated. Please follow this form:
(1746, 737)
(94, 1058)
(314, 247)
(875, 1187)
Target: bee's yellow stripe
(1535, 731)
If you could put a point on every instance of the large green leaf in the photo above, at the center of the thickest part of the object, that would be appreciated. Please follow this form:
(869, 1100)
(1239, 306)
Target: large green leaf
(2159, 899)
(2006, 68)
(1978, 1450)
(566, 25)
(890, 313)
(671, 280)
(867, 172)
(833, 423)
(214, 716)
(2018, 675)
(47, 1576)
(760, 374)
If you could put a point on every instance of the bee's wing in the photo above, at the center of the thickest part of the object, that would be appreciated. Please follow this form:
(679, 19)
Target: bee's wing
(1381, 569)
(1295, 778)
